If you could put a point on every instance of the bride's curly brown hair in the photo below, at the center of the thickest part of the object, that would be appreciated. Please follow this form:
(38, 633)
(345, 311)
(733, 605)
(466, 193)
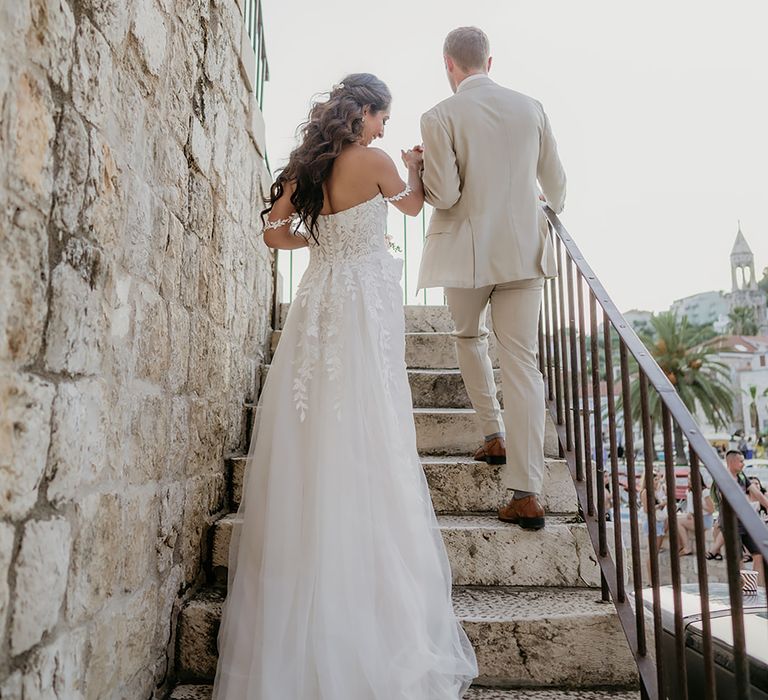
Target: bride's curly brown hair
(332, 124)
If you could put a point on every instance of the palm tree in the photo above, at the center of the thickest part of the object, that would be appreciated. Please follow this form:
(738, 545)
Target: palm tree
(699, 379)
(742, 321)
(754, 416)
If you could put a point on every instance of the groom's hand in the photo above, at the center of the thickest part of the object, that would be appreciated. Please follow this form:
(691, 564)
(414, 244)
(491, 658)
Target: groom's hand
(413, 158)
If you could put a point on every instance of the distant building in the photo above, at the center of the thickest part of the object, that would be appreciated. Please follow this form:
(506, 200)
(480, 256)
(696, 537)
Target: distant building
(744, 289)
(703, 308)
(746, 357)
(639, 320)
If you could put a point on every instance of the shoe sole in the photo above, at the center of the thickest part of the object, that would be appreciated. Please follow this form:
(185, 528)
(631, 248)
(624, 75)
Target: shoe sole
(489, 459)
(526, 523)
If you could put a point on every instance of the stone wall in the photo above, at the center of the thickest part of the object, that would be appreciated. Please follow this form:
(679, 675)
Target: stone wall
(135, 301)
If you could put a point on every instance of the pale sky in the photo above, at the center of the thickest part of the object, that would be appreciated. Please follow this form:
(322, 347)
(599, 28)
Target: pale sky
(660, 111)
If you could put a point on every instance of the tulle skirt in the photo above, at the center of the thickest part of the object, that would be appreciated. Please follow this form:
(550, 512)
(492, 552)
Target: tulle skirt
(339, 584)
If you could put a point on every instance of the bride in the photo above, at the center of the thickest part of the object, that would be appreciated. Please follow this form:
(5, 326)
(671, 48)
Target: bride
(339, 584)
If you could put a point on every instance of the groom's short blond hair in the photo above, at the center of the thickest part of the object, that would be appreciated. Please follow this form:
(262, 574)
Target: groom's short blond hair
(468, 47)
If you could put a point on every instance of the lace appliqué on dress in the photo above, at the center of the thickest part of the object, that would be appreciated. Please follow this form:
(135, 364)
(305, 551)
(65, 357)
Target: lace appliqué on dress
(350, 261)
(400, 195)
(280, 222)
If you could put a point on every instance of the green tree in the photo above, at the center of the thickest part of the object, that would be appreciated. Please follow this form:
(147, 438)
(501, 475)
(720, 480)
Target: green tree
(700, 380)
(754, 415)
(742, 321)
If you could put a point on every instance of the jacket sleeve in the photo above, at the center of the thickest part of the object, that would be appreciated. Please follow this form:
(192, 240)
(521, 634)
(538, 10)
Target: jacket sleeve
(549, 169)
(442, 186)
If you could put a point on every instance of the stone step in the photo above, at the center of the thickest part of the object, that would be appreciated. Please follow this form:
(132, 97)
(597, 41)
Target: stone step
(442, 388)
(456, 431)
(204, 692)
(426, 350)
(523, 637)
(461, 485)
(437, 388)
(483, 551)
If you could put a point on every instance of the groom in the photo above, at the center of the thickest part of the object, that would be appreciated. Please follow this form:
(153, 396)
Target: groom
(485, 150)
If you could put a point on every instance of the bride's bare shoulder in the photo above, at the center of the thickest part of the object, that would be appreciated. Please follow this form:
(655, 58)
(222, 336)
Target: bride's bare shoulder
(363, 162)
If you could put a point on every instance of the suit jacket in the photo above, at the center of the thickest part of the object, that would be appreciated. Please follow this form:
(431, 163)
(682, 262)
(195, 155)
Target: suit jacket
(485, 149)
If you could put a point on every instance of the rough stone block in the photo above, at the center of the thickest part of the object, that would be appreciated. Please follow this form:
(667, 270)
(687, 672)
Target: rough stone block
(170, 171)
(150, 427)
(104, 201)
(111, 17)
(178, 347)
(97, 565)
(140, 517)
(42, 568)
(140, 629)
(72, 152)
(151, 33)
(171, 521)
(428, 319)
(75, 337)
(200, 216)
(152, 337)
(30, 134)
(53, 672)
(49, 42)
(23, 284)
(104, 653)
(25, 418)
(198, 626)
(200, 145)
(78, 438)
(92, 75)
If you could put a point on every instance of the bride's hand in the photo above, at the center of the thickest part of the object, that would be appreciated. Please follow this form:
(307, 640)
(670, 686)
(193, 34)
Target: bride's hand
(413, 158)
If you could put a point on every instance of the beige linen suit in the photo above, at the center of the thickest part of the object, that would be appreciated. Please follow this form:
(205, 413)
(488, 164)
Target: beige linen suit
(489, 152)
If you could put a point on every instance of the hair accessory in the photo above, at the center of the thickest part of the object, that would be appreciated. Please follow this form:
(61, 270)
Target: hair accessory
(339, 86)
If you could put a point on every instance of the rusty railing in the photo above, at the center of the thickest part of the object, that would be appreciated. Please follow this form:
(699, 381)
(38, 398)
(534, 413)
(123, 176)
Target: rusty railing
(577, 332)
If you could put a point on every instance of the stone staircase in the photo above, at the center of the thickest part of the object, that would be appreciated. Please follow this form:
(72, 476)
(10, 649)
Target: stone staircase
(529, 601)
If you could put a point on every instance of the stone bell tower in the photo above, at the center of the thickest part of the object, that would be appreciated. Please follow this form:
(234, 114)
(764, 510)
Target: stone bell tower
(744, 289)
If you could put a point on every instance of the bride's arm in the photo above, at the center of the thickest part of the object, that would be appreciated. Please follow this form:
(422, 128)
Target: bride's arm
(281, 223)
(407, 197)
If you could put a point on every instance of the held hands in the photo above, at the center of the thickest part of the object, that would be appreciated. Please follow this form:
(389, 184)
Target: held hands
(413, 158)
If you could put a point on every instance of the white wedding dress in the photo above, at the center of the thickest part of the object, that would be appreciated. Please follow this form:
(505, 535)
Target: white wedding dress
(339, 583)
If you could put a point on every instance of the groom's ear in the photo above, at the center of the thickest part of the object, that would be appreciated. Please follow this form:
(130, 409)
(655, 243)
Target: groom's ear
(449, 64)
(490, 62)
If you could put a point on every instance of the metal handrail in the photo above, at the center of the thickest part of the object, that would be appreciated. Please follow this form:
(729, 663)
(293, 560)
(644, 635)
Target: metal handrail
(569, 372)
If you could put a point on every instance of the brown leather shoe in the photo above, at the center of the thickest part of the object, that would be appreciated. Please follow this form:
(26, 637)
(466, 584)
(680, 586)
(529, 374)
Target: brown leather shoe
(526, 512)
(493, 452)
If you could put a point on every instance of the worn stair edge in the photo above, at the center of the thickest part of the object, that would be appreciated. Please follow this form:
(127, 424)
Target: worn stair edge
(460, 485)
(457, 431)
(522, 637)
(483, 551)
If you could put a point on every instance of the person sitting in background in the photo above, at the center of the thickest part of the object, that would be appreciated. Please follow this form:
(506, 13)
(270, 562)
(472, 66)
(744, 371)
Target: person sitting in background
(685, 522)
(756, 503)
(659, 504)
(734, 461)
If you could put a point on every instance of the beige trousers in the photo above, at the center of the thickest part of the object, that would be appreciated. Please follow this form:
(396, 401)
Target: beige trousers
(515, 310)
